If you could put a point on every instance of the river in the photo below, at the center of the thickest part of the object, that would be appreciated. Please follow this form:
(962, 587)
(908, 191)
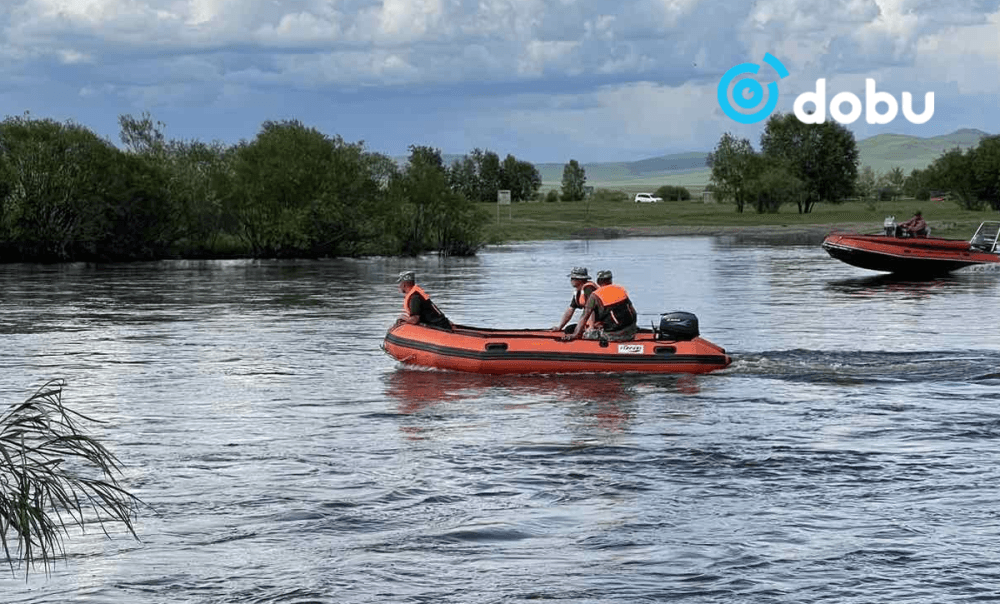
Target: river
(851, 453)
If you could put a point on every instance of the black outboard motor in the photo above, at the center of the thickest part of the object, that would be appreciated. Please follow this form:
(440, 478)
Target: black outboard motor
(677, 325)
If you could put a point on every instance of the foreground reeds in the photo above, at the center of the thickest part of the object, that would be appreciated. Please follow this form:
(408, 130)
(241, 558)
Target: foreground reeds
(52, 477)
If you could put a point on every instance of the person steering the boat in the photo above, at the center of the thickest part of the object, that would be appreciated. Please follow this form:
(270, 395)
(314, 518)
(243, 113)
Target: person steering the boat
(615, 317)
(583, 287)
(914, 227)
(417, 305)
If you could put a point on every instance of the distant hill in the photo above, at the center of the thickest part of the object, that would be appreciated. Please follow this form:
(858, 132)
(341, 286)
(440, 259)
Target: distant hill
(679, 168)
(886, 151)
(882, 152)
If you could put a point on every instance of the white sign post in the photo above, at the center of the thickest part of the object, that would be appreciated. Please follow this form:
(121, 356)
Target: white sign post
(503, 199)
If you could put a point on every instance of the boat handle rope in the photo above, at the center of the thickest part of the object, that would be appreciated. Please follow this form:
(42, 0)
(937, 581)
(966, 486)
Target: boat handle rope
(382, 346)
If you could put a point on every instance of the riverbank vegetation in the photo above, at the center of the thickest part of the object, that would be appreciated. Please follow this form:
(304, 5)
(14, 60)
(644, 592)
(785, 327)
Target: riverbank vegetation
(68, 195)
(292, 191)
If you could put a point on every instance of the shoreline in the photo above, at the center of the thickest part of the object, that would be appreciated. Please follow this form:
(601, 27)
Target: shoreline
(801, 234)
(805, 234)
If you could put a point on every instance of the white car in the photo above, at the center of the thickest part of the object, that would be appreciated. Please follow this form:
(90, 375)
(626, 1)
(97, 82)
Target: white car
(647, 198)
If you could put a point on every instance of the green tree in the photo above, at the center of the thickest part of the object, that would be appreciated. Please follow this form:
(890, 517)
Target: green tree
(823, 156)
(884, 189)
(298, 192)
(733, 169)
(573, 181)
(340, 217)
(430, 214)
(53, 475)
(896, 179)
(954, 172)
(490, 174)
(200, 179)
(141, 216)
(916, 185)
(463, 177)
(59, 178)
(773, 184)
(195, 199)
(521, 178)
(986, 170)
(867, 183)
(141, 135)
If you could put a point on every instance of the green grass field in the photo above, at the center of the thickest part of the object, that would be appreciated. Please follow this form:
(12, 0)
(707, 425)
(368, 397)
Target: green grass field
(573, 220)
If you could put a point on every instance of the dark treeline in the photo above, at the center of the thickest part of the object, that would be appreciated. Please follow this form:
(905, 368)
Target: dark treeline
(971, 177)
(67, 194)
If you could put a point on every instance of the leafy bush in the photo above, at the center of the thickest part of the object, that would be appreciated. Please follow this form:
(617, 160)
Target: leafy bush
(609, 196)
(673, 193)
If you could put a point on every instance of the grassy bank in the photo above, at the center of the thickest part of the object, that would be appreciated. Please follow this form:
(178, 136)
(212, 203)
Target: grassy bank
(596, 220)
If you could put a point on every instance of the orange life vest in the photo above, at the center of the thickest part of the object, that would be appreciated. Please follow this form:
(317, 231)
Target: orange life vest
(611, 294)
(581, 296)
(616, 311)
(429, 312)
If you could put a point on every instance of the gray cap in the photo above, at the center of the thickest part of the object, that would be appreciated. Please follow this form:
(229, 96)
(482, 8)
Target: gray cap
(579, 272)
(602, 275)
(410, 276)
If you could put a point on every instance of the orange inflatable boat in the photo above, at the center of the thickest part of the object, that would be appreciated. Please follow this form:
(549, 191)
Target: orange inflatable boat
(675, 347)
(915, 256)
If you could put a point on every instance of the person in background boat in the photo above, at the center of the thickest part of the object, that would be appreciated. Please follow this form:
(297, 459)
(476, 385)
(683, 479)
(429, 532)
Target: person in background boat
(616, 319)
(583, 288)
(417, 305)
(914, 227)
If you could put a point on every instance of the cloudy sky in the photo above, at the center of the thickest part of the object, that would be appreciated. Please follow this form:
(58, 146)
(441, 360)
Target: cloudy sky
(546, 80)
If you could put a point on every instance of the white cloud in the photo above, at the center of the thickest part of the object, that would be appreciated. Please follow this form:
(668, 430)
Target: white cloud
(601, 27)
(674, 10)
(640, 73)
(539, 55)
(200, 12)
(384, 67)
(642, 116)
(398, 22)
(969, 57)
(300, 28)
(71, 57)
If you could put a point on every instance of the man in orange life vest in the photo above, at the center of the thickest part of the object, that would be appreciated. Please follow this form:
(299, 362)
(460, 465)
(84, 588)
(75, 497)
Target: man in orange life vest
(417, 306)
(616, 317)
(583, 287)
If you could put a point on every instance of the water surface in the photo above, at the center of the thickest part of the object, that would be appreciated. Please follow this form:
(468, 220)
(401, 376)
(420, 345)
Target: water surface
(849, 454)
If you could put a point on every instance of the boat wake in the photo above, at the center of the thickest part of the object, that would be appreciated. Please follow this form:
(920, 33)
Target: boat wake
(865, 367)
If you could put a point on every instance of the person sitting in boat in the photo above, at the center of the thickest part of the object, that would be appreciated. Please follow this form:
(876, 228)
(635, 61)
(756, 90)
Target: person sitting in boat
(914, 227)
(583, 287)
(616, 319)
(417, 305)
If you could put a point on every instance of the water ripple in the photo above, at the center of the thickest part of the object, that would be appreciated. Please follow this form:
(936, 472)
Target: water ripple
(848, 455)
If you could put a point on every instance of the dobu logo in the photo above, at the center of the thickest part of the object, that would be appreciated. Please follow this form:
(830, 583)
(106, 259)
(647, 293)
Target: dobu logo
(872, 99)
(753, 87)
(748, 94)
